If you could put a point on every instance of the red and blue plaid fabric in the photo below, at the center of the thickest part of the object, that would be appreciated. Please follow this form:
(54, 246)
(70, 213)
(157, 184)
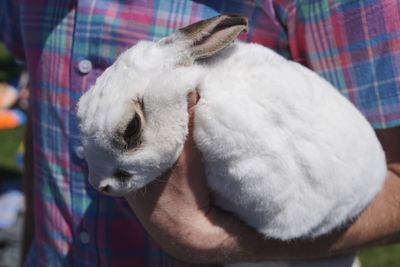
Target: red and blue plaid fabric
(353, 44)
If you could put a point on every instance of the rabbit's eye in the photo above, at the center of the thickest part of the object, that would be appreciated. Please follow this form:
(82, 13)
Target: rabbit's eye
(131, 134)
(122, 175)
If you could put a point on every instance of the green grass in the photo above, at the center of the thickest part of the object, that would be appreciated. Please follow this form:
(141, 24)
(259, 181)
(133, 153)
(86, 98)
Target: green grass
(9, 142)
(381, 257)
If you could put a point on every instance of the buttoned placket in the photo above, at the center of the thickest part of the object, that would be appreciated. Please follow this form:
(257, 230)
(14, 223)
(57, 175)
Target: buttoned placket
(84, 203)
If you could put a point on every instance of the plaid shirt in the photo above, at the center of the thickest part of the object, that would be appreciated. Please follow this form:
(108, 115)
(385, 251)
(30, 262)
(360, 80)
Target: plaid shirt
(67, 44)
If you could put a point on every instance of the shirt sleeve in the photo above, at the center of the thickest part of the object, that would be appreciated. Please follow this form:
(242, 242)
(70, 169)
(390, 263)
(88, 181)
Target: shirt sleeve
(356, 46)
(10, 32)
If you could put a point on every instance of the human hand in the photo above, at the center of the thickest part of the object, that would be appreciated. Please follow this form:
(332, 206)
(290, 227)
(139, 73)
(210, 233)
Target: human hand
(174, 205)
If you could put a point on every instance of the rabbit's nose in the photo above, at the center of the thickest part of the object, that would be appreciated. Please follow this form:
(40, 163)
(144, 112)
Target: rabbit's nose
(108, 187)
(105, 188)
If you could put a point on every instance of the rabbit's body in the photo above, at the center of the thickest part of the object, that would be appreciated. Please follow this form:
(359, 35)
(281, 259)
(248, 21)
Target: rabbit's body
(283, 150)
(290, 156)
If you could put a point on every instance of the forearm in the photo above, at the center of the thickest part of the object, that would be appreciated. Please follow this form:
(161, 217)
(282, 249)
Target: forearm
(212, 236)
(378, 224)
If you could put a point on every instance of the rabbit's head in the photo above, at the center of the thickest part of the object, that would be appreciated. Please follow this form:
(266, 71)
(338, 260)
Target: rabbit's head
(133, 121)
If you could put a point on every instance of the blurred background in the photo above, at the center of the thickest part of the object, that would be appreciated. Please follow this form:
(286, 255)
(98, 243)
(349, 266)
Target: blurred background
(13, 107)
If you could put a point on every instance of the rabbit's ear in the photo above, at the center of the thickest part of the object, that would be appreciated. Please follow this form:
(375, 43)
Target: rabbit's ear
(207, 37)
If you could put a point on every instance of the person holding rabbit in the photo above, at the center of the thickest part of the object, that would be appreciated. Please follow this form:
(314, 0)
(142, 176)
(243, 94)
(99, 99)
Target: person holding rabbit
(67, 45)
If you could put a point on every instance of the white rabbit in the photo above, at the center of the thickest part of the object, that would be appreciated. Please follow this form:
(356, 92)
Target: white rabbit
(283, 150)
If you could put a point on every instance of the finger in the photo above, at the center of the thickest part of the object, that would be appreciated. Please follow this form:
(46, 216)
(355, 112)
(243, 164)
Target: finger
(193, 98)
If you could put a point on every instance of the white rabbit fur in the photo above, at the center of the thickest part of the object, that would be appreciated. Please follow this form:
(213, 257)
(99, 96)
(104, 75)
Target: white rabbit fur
(283, 150)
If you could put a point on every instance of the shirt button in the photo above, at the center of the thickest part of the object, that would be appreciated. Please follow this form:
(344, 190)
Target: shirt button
(84, 237)
(85, 66)
(79, 152)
